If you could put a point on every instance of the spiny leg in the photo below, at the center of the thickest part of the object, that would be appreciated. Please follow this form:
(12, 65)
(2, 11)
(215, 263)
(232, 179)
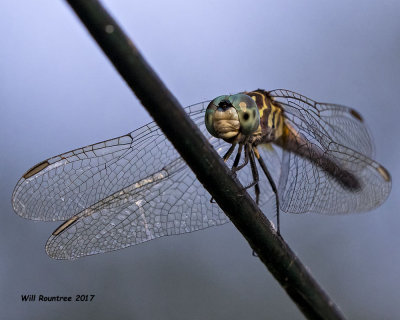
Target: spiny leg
(246, 158)
(256, 178)
(229, 152)
(250, 156)
(247, 150)
(237, 158)
(272, 183)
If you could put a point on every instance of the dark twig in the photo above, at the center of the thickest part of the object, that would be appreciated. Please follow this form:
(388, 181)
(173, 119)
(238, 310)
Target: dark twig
(209, 168)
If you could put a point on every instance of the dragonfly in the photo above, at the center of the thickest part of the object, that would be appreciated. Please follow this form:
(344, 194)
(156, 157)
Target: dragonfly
(314, 157)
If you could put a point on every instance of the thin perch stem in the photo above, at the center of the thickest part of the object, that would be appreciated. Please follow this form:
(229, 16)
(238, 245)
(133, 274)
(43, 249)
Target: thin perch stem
(209, 168)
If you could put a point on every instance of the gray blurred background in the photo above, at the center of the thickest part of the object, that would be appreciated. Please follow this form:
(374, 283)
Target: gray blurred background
(59, 92)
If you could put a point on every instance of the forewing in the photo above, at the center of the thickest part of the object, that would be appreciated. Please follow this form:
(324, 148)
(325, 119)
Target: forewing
(340, 133)
(323, 123)
(62, 186)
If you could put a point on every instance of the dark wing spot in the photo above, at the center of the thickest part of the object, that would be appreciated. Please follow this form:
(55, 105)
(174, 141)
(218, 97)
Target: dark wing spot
(384, 173)
(356, 115)
(65, 225)
(39, 167)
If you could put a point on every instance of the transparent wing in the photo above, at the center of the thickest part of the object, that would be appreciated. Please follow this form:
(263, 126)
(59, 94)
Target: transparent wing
(343, 138)
(64, 185)
(325, 122)
(169, 202)
(123, 191)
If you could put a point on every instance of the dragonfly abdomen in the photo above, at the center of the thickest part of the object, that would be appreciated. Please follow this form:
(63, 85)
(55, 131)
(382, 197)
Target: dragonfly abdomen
(344, 177)
(295, 142)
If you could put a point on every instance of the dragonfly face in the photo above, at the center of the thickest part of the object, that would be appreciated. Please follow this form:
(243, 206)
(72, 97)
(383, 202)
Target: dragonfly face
(232, 117)
(135, 188)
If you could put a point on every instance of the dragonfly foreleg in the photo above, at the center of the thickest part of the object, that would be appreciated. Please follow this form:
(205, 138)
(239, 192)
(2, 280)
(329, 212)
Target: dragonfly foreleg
(246, 159)
(256, 179)
(229, 152)
(237, 159)
(272, 183)
(236, 167)
(249, 155)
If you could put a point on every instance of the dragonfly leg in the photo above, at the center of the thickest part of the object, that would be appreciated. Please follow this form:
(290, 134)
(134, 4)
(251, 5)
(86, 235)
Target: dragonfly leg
(229, 152)
(236, 168)
(256, 178)
(250, 156)
(237, 159)
(272, 183)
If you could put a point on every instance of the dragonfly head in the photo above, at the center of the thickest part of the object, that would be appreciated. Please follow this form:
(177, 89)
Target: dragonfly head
(227, 116)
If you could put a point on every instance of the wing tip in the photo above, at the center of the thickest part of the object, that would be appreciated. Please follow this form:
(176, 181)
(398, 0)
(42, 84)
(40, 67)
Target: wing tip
(57, 251)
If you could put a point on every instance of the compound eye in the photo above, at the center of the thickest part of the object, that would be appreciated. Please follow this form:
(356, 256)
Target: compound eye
(210, 111)
(247, 110)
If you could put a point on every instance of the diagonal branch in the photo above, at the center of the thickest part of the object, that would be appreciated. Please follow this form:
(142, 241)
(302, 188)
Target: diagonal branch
(209, 168)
